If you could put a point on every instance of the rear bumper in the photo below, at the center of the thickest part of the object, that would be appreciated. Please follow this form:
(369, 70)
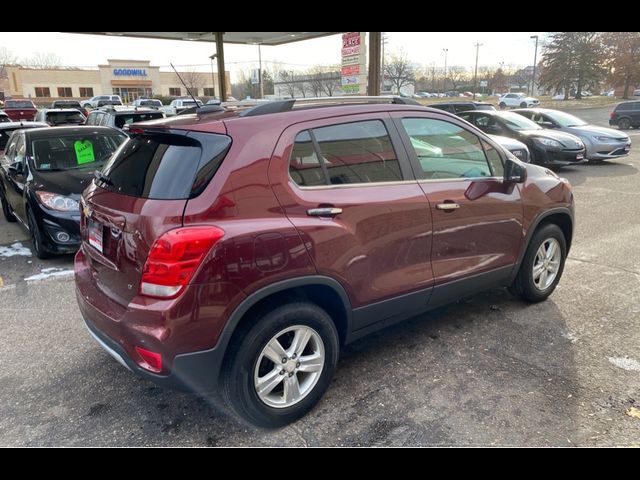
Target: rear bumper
(192, 372)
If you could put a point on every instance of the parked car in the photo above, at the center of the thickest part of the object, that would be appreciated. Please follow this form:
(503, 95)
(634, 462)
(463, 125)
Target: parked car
(22, 109)
(626, 115)
(42, 177)
(244, 267)
(70, 104)
(7, 129)
(513, 100)
(601, 143)
(546, 147)
(462, 106)
(60, 116)
(636, 93)
(148, 102)
(99, 101)
(178, 105)
(121, 117)
(516, 147)
(4, 117)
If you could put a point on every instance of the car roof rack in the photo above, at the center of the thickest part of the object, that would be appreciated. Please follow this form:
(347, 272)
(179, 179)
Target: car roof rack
(287, 105)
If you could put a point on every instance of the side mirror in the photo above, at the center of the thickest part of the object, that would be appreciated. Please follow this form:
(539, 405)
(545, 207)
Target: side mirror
(514, 171)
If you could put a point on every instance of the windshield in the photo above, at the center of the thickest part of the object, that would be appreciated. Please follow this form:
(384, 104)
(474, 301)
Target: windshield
(129, 118)
(66, 104)
(152, 103)
(517, 122)
(565, 119)
(65, 118)
(77, 150)
(16, 104)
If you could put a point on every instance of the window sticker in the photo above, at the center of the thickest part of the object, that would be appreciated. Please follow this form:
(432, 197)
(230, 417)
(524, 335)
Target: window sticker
(84, 151)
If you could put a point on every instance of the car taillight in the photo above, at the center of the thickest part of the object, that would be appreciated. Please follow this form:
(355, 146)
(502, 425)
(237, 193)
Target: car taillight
(174, 258)
(612, 114)
(152, 360)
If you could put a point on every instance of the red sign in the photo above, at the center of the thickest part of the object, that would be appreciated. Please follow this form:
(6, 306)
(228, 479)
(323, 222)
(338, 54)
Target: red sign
(351, 39)
(351, 70)
(351, 51)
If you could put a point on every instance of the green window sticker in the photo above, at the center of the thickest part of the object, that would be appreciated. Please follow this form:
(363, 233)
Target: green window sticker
(84, 151)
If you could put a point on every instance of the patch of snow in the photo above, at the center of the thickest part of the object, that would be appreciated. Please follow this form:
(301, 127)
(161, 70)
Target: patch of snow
(49, 273)
(14, 250)
(626, 363)
(569, 336)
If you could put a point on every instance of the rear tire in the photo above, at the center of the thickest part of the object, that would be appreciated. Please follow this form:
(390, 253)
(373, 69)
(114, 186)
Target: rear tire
(502, 105)
(534, 282)
(624, 124)
(6, 209)
(248, 365)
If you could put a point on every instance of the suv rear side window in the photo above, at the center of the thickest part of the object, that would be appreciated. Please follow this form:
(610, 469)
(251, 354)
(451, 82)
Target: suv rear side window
(165, 166)
(349, 153)
(445, 150)
(129, 118)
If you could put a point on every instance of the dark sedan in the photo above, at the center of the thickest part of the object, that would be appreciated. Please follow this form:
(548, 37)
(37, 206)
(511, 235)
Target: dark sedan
(43, 173)
(546, 147)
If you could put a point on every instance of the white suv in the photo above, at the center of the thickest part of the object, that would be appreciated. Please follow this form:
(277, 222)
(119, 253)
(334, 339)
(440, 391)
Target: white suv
(517, 100)
(94, 102)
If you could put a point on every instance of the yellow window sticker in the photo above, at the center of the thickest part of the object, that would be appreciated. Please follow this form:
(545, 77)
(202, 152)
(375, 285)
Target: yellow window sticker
(84, 151)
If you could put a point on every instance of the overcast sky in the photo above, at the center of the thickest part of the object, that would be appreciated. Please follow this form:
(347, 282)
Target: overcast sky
(512, 48)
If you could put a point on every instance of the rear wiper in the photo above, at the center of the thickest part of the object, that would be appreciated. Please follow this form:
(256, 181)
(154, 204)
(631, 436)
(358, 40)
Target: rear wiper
(102, 177)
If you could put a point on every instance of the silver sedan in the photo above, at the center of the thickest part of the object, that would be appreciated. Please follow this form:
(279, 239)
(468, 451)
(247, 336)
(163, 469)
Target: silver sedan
(601, 143)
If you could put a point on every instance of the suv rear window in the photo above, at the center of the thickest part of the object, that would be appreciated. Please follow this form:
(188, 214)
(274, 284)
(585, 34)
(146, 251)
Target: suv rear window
(19, 104)
(165, 166)
(628, 106)
(65, 118)
(127, 119)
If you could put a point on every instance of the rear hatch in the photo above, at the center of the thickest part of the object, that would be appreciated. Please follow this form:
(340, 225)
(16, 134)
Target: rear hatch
(140, 194)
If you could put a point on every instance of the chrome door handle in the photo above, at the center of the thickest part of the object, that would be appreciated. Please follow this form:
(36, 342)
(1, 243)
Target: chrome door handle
(324, 212)
(447, 206)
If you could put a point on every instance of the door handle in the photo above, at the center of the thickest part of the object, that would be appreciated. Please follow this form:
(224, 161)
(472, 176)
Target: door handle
(324, 212)
(447, 207)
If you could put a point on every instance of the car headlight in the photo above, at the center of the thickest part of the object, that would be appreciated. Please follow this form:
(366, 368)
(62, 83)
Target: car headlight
(58, 202)
(605, 139)
(548, 142)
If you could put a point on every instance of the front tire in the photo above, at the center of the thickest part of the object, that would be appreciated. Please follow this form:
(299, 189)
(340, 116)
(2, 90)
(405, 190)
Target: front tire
(280, 368)
(523, 105)
(36, 238)
(542, 265)
(6, 209)
(502, 105)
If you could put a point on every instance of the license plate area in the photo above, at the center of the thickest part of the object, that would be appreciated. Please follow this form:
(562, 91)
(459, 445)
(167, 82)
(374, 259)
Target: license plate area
(95, 230)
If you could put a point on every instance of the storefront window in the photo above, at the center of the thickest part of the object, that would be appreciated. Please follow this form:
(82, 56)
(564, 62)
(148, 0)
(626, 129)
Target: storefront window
(43, 92)
(86, 91)
(174, 91)
(64, 92)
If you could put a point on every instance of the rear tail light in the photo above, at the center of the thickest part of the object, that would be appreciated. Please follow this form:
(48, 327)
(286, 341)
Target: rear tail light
(152, 360)
(174, 258)
(612, 115)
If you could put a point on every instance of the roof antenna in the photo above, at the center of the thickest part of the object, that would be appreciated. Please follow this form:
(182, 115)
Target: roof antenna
(185, 86)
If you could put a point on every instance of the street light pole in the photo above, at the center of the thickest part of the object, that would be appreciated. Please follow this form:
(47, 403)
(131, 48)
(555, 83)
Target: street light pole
(213, 76)
(260, 72)
(444, 80)
(535, 59)
(475, 75)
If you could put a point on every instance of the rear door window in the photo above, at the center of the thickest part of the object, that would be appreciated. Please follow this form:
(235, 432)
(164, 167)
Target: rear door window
(165, 166)
(348, 153)
(128, 119)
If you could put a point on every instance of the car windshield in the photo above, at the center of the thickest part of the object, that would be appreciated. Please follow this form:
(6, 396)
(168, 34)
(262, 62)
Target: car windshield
(152, 103)
(517, 122)
(67, 103)
(16, 104)
(566, 119)
(65, 118)
(191, 103)
(5, 133)
(73, 151)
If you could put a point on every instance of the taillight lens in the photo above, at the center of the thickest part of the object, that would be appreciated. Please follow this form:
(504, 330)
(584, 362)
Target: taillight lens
(174, 258)
(612, 114)
(152, 360)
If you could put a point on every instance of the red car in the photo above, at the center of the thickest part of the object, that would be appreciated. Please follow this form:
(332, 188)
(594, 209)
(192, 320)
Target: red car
(20, 110)
(238, 251)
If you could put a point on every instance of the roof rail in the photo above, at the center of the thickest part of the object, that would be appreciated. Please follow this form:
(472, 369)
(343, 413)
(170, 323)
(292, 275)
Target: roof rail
(286, 105)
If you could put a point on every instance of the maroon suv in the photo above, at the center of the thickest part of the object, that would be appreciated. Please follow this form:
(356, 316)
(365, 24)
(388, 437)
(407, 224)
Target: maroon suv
(238, 251)
(22, 109)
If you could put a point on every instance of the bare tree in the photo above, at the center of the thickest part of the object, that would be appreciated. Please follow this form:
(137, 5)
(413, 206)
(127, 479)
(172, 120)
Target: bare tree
(286, 80)
(316, 75)
(193, 80)
(43, 60)
(6, 58)
(457, 76)
(399, 71)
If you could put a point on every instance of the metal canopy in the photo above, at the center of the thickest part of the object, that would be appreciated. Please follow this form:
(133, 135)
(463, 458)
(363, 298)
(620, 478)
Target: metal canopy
(249, 38)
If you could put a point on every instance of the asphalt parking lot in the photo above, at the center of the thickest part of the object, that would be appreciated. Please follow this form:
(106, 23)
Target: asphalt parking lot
(487, 371)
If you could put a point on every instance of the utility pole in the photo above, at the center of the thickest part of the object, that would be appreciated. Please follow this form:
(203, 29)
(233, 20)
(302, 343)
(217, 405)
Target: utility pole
(260, 72)
(213, 76)
(383, 41)
(535, 59)
(475, 75)
(444, 80)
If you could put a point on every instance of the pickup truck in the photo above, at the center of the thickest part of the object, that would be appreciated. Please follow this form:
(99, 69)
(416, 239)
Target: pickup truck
(178, 105)
(22, 109)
